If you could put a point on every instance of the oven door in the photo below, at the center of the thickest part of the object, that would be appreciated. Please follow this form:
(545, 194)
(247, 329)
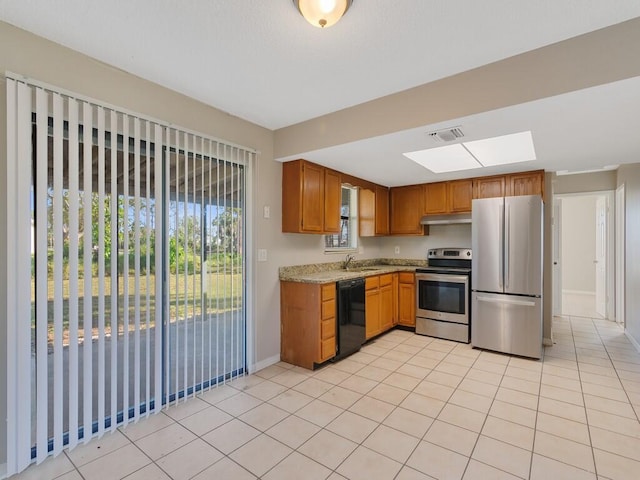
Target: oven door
(442, 296)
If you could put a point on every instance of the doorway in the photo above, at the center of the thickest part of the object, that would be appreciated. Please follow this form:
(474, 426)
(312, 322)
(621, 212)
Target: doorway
(583, 260)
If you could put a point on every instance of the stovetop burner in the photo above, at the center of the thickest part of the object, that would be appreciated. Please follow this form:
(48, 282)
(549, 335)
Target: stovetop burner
(454, 260)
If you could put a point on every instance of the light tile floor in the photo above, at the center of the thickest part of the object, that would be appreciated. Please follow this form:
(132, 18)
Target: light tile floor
(404, 407)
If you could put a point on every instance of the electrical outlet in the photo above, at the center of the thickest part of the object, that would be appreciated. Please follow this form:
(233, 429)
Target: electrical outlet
(397, 250)
(266, 211)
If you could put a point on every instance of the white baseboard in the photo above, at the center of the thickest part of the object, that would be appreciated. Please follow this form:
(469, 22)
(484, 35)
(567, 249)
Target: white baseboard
(547, 342)
(264, 363)
(632, 340)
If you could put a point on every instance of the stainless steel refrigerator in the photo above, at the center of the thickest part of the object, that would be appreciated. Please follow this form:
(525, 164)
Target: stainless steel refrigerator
(506, 275)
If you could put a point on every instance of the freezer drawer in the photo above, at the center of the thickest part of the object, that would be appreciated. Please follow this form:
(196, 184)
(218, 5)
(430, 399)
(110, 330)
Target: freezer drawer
(507, 323)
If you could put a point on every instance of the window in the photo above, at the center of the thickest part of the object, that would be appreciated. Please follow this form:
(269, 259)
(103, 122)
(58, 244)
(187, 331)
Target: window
(347, 239)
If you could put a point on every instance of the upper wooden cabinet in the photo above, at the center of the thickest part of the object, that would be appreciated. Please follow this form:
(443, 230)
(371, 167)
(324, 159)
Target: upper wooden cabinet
(460, 195)
(366, 212)
(489, 187)
(332, 201)
(448, 197)
(514, 184)
(406, 210)
(373, 211)
(526, 183)
(436, 198)
(310, 198)
(382, 210)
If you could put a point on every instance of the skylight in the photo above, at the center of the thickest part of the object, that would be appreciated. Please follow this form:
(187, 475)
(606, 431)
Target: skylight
(450, 158)
(503, 150)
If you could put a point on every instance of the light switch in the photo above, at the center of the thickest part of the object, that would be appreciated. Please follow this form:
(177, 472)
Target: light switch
(266, 211)
(262, 255)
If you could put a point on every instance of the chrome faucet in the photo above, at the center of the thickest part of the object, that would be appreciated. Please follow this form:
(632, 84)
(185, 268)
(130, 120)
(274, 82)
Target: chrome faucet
(347, 260)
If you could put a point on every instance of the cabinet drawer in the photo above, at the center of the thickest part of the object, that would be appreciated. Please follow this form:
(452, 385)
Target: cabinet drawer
(327, 349)
(329, 310)
(406, 277)
(328, 329)
(372, 282)
(386, 279)
(328, 291)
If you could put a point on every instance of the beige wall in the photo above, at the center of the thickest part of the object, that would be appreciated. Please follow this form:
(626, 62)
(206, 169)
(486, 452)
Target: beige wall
(583, 183)
(629, 175)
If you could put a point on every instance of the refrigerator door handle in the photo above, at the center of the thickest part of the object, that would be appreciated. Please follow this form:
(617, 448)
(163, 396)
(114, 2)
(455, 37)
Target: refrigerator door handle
(507, 241)
(523, 303)
(501, 237)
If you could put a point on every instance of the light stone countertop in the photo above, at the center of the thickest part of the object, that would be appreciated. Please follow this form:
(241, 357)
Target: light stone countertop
(333, 272)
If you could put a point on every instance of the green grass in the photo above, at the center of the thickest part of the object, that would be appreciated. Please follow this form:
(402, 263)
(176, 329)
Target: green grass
(224, 292)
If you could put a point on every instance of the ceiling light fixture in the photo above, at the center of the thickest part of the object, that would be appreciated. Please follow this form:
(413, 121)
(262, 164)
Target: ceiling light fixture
(322, 13)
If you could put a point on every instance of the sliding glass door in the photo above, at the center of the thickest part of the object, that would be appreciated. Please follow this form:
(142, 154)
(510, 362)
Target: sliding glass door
(137, 295)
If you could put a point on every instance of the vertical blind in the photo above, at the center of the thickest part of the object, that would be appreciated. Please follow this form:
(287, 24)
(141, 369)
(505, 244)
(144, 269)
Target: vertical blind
(132, 295)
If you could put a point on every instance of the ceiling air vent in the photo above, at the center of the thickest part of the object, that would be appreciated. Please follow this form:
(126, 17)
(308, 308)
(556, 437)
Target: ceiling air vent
(447, 134)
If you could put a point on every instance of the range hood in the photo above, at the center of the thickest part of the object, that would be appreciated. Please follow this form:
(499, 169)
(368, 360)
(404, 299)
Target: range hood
(448, 219)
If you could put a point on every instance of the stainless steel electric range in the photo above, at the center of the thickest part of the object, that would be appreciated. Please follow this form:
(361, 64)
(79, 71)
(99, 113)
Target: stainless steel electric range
(443, 295)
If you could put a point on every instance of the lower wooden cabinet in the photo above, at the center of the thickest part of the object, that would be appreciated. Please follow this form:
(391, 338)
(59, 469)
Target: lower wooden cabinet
(386, 302)
(308, 314)
(372, 307)
(379, 304)
(407, 299)
(307, 323)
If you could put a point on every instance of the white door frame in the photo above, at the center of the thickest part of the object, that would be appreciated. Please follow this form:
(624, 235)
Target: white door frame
(556, 272)
(610, 271)
(620, 255)
(601, 255)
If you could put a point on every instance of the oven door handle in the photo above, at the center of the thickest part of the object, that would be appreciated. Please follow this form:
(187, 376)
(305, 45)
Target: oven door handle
(434, 277)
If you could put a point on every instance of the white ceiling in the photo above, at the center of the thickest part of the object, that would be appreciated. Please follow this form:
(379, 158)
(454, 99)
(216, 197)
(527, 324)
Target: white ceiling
(259, 60)
(582, 130)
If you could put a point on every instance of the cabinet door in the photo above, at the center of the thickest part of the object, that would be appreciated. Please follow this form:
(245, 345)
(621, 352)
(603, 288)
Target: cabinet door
(332, 201)
(525, 183)
(395, 298)
(382, 211)
(489, 187)
(327, 345)
(436, 198)
(407, 205)
(460, 194)
(366, 212)
(372, 312)
(312, 198)
(407, 299)
(386, 307)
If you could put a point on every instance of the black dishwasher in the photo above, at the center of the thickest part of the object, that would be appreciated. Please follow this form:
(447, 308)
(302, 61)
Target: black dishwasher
(350, 320)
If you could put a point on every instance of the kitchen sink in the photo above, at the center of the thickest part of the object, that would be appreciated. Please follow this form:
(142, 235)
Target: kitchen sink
(362, 269)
